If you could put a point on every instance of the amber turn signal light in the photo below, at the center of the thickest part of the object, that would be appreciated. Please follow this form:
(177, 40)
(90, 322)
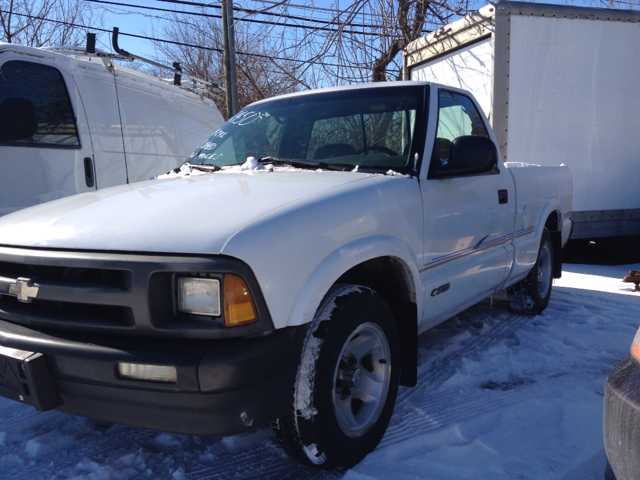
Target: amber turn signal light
(238, 304)
(635, 350)
(635, 346)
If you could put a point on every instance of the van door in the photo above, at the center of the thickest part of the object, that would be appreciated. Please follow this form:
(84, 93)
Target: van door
(97, 88)
(57, 161)
(151, 137)
(467, 218)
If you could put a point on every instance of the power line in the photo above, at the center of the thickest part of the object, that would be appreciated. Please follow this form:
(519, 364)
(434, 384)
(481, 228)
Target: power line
(248, 20)
(184, 22)
(308, 7)
(173, 42)
(260, 12)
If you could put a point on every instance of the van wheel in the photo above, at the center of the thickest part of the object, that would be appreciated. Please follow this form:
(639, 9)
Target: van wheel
(347, 381)
(531, 295)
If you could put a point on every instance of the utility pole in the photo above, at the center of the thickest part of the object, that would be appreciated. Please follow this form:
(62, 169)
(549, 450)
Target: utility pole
(229, 46)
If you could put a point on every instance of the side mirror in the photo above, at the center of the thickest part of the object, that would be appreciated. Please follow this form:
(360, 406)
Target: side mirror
(18, 119)
(468, 155)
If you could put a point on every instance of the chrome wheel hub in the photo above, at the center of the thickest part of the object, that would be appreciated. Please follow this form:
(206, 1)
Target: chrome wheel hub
(544, 271)
(361, 380)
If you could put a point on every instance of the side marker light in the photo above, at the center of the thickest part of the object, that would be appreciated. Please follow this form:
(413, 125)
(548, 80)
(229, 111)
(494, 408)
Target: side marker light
(239, 308)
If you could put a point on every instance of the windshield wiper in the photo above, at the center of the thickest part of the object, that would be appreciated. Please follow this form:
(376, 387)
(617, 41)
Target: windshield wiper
(301, 163)
(294, 162)
(204, 167)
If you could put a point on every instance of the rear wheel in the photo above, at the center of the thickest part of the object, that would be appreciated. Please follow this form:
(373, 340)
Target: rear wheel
(347, 381)
(531, 295)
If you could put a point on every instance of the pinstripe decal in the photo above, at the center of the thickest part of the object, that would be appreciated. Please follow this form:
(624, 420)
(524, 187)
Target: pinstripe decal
(526, 231)
(437, 261)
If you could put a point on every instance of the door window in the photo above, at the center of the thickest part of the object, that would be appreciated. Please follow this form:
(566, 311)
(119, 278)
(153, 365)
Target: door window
(45, 88)
(457, 116)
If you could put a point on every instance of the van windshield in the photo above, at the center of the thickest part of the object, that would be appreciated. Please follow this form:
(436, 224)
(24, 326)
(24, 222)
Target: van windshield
(366, 128)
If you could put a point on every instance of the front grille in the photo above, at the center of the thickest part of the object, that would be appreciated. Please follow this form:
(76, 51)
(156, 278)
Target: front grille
(69, 275)
(59, 286)
(55, 314)
(112, 293)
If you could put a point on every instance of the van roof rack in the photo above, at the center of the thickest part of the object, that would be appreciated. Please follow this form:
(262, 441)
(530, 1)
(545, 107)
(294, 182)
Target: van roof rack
(90, 51)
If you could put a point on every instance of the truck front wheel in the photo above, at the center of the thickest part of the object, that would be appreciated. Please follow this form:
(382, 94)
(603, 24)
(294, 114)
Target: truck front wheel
(531, 295)
(347, 381)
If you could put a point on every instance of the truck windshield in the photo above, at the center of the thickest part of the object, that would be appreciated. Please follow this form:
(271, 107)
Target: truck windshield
(365, 128)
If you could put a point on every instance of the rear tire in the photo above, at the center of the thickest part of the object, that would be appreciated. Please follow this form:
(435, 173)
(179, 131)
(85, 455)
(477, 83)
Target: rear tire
(347, 381)
(531, 295)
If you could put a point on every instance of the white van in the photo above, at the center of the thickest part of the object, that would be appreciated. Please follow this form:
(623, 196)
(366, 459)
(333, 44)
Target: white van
(71, 125)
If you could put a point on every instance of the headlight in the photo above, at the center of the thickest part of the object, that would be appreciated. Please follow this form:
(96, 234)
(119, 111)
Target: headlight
(200, 296)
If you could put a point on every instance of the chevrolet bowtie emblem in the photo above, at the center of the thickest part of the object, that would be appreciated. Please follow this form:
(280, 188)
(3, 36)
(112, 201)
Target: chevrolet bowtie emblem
(23, 290)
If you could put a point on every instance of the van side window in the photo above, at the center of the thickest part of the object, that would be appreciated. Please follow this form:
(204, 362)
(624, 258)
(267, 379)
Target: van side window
(44, 86)
(457, 116)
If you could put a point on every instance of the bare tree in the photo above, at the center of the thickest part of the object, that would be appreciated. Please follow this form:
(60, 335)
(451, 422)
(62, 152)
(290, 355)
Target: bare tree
(261, 70)
(38, 23)
(279, 50)
(410, 17)
(363, 41)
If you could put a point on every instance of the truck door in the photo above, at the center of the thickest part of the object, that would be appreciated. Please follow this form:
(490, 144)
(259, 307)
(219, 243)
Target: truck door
(57, 161)
(466, 218)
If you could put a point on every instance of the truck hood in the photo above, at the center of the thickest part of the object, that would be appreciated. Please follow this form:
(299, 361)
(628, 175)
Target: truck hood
(196, 214)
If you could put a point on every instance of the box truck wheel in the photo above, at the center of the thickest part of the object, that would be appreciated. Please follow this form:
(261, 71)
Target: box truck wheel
(531, 295)
(347, 381)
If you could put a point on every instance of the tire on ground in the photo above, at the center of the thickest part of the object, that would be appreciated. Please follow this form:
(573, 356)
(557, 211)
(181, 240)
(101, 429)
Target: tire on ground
(347, 381)
(531, 294)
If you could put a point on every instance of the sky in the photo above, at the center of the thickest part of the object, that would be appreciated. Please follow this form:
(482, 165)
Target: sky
(131, 22)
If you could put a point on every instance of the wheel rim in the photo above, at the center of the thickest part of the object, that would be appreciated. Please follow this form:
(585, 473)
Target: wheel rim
(361, 380)
(544, 271)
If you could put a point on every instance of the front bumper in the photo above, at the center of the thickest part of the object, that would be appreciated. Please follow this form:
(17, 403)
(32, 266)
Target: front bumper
(224, 386)
(621, 419)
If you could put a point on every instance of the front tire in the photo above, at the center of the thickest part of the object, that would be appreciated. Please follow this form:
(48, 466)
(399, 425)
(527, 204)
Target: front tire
(531, 295)
(347, 381)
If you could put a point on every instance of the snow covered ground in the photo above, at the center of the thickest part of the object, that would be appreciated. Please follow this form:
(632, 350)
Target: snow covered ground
(500, 396)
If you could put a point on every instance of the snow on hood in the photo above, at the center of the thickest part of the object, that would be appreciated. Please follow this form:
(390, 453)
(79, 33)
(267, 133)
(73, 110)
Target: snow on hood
(194, 214)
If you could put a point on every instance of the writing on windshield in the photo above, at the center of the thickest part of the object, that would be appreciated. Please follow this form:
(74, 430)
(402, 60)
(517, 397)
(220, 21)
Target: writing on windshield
(365, 128)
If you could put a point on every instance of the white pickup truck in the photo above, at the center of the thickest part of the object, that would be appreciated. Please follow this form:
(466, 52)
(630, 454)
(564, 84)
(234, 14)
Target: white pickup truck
(283, 274)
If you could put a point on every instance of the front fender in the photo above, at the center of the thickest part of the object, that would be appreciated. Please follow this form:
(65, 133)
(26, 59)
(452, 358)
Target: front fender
(299, 250)
(343, 259)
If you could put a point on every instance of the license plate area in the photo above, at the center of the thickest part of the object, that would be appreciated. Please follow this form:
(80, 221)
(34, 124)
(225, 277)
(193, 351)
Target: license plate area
(24, 377)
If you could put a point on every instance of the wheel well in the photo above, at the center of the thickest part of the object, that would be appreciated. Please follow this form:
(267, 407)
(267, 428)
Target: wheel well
(392, 280)
(553, 225)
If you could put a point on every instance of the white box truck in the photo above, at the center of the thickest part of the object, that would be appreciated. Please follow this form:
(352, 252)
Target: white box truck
(559, 85)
